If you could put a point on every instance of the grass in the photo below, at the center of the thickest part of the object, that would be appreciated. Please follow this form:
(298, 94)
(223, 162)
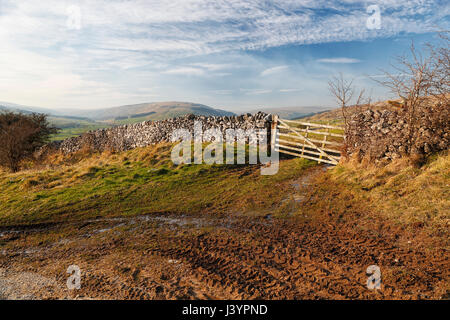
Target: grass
(406, 195)
(72, 127)
(140, 181)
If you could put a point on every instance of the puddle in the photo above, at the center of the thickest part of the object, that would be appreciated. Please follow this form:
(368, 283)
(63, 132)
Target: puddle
(182, 221)
(116, 222)
(110, 228)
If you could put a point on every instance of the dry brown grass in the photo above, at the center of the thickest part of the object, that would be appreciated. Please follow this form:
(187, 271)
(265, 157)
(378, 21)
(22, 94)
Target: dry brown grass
(403, 192)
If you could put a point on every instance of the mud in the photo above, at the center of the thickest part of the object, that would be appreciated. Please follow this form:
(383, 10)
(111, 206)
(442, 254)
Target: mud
(217, 257)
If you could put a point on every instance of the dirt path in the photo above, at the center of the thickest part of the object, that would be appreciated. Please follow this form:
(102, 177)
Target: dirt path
(218, 257)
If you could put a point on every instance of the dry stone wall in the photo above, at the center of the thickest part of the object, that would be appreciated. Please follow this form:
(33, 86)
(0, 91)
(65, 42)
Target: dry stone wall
(388, 135)
(127, 137)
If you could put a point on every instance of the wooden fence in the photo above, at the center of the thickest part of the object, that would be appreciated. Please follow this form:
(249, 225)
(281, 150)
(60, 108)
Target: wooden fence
(319, 142)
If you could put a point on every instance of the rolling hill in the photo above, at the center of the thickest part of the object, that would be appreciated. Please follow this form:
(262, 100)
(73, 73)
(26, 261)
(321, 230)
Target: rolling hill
(153, 111)
(149, 111)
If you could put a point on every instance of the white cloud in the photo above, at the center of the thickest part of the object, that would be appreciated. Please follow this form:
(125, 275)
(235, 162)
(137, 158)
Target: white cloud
(273, 70)
(213, 66)
(289, 90)
(187, 71)
(339, 60)
(256, 91)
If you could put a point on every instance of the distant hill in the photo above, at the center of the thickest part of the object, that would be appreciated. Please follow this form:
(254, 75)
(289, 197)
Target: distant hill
(293, 112)
(6, 106)
(124, 114)
(153, 111)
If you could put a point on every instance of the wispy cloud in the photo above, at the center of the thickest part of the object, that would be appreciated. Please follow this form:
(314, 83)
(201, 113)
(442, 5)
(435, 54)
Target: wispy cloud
(213, 66)
(185, 71)
(181, 27)
(289, 90)
(339, 60)
(273, 70)
(255, 91)
(199, 69)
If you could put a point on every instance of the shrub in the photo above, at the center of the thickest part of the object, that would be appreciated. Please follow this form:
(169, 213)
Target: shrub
(20, 136)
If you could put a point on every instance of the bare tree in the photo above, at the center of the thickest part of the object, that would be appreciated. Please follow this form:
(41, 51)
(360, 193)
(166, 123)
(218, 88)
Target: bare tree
(410, 81)
(439, 72)
(343, 92)
(362, 100)
(416, 78)
(21, 135)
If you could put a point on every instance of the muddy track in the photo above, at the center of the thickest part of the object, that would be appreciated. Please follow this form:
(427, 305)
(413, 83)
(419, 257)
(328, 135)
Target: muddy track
(294, 261)
(245, 258)
(171, 256)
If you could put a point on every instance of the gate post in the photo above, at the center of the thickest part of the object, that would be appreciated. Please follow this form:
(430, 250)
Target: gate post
(273, 132)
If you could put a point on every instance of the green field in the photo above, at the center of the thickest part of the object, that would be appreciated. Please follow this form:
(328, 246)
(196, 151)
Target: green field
(72, 127)
(76, 131)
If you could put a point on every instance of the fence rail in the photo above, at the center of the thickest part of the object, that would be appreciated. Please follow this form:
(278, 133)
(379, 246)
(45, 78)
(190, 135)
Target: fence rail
(314, 141)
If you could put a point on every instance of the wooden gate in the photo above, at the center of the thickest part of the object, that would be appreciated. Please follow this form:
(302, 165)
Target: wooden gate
(319, 142)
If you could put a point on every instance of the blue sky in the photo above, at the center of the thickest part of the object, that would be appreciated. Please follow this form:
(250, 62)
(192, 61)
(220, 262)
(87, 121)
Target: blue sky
(235, 55)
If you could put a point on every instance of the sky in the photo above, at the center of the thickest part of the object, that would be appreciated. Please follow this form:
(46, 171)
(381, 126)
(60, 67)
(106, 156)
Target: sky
(228, 54)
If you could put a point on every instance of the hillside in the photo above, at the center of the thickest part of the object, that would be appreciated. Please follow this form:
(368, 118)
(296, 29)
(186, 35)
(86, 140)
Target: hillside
(154, 111)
